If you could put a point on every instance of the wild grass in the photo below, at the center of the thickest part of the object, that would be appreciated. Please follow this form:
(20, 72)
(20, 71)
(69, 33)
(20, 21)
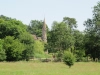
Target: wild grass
(50, 68)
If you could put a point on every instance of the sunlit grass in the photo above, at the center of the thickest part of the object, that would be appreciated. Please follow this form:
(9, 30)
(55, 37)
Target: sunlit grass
(33, 68)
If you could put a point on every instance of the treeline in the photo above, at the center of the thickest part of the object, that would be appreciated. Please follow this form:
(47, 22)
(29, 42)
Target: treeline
(65, 37)
(17, 41)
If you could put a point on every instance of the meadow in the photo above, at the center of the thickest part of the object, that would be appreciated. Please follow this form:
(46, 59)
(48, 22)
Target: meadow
(49, 68)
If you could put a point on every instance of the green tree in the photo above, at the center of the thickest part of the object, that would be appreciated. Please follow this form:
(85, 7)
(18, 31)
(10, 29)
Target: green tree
(35, 27)
(28, 52)
(71, 22)
(13, 49)
(60, 38)
(68, 58)
(11, 27)
(27, 40)
(79, 38)
(92, 33)
(79, 49)
(18, 35)
(2, 51)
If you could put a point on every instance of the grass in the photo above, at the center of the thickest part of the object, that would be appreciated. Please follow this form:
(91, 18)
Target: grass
(51, 68)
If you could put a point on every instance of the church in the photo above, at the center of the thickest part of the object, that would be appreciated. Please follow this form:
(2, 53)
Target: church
(44, 33)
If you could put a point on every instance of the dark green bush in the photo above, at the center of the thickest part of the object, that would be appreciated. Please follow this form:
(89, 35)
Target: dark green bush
(68, 58)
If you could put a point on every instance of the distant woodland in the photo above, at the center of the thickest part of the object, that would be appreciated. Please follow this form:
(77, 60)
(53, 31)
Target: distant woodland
(18, 43)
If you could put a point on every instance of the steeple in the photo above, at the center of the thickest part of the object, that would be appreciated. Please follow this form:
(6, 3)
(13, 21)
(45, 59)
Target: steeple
(44, 34)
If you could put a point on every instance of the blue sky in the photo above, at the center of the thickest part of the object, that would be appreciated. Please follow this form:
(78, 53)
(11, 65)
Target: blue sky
(54, 10)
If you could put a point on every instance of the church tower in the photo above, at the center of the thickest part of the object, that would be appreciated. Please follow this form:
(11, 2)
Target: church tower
(44, 32)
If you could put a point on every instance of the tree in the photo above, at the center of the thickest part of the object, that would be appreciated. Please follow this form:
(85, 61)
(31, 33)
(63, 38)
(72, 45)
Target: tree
(35, 27)
(2, 51)
(92, 33)
(11, 27)
(18, 43)
(28, 52)
(60, 38)
(68, 58)
(79, 50)
(27, 40)
(13, 49)
(71, 22)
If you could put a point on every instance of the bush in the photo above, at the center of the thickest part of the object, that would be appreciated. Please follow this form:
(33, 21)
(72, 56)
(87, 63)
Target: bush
(59, 56)
(68, 58)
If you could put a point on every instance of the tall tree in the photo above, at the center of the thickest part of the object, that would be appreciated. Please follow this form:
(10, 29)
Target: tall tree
(27, 40)
(71, 22)
(79, 50)
(92, 43)
(60, 38)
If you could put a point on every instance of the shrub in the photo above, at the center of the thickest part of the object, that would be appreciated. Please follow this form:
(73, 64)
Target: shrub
(59, 56)
(68, 58)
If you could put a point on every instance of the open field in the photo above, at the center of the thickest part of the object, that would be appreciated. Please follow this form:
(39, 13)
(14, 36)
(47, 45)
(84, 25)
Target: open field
(33, 68)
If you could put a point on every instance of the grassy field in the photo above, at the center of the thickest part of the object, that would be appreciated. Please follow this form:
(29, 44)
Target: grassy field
(31, 68)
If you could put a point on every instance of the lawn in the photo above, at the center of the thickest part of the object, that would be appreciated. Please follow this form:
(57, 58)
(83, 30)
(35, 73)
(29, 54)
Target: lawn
(51, 68)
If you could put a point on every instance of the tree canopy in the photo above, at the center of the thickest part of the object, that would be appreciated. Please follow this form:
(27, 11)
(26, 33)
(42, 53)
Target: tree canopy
(92, 33)
(17, 41)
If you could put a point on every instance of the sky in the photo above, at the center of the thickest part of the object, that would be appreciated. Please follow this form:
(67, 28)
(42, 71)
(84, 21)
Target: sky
(52, 10)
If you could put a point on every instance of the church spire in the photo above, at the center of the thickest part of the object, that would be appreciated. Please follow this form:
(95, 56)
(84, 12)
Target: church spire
(44, 35)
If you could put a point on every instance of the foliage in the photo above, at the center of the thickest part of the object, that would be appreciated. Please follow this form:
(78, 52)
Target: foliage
(71, 22)
(60, 38)
(79, 39)
(39, 47)
(11, 27)
(80, 55)
(13, 49)
(68, 58)
(92, 33)
(35, 27)
(28, 52)
(79, 50)
(27, 40)
(59, 55)
(18, 43)
(2, 51)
